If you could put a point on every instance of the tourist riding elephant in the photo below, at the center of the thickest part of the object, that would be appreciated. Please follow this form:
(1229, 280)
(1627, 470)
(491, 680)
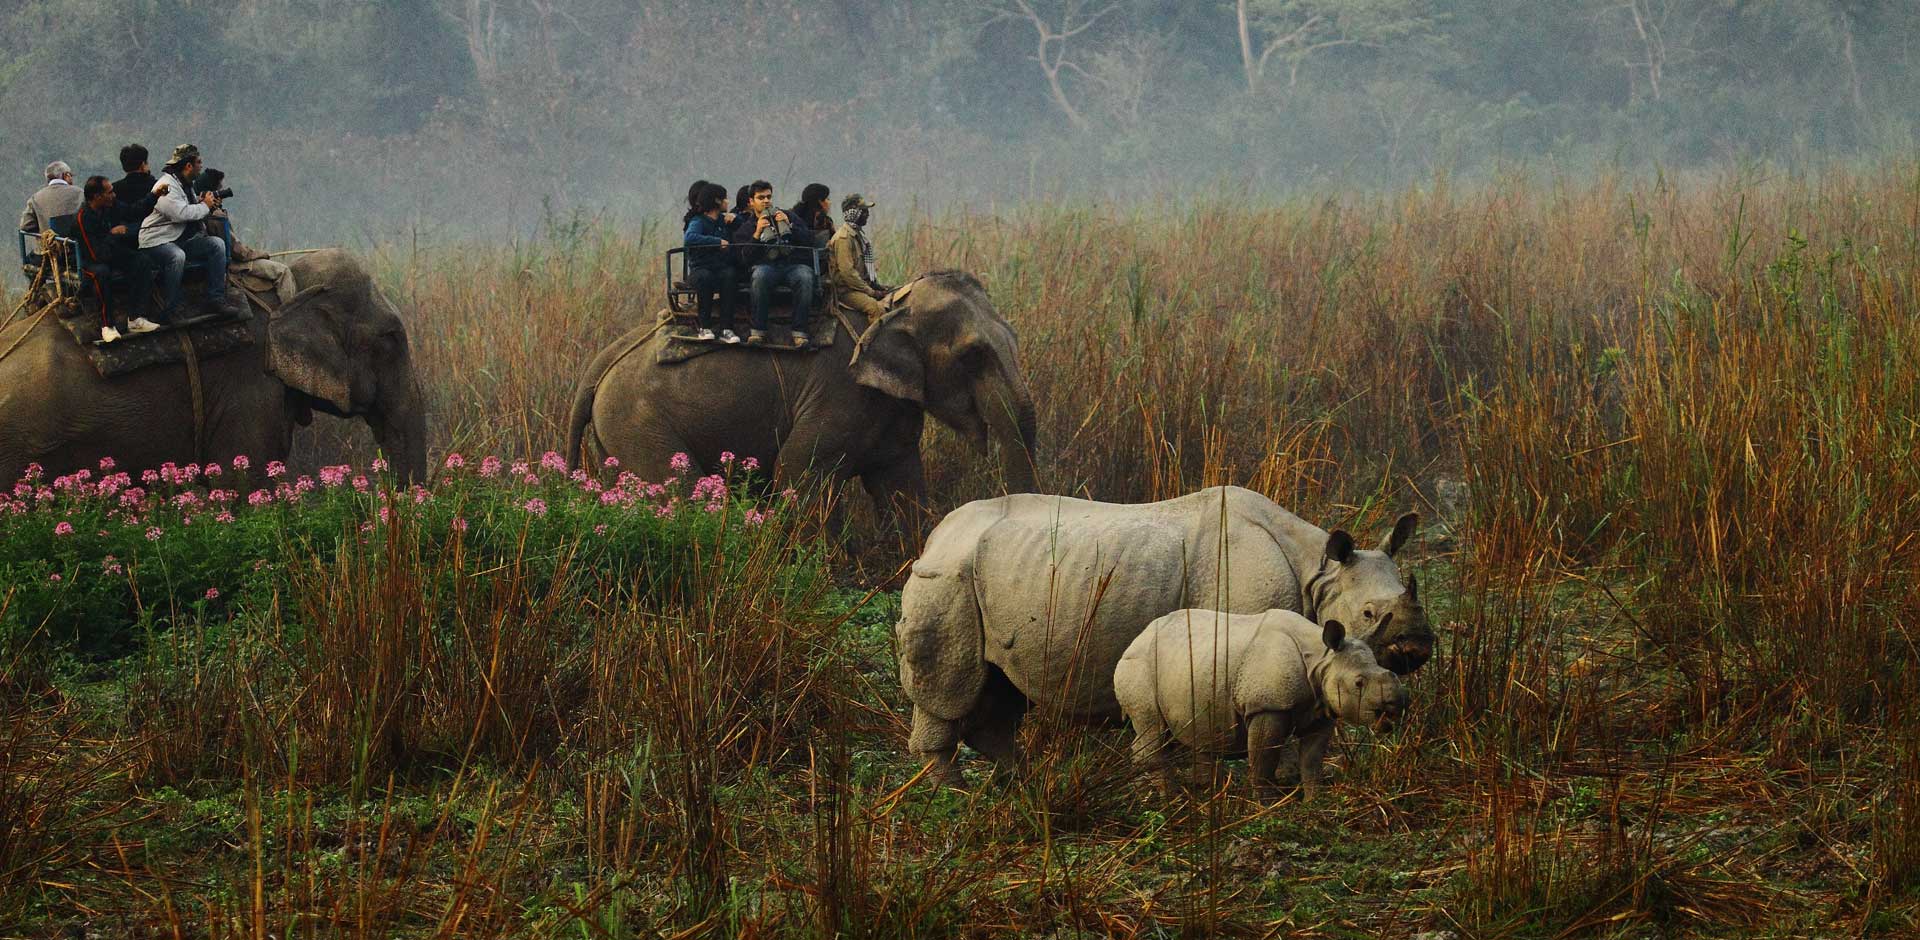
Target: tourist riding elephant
(1032, 599)
(337, 347)
(820, 414)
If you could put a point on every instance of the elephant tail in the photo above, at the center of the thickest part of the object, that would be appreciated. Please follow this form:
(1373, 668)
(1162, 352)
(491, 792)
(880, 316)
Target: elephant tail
(580, 431)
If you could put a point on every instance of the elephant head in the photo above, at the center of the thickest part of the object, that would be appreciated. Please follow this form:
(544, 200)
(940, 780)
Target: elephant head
(955, 356)
(340, 345)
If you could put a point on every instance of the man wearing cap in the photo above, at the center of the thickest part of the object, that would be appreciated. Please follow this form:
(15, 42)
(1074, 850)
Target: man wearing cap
(856, 285)
(169, 239)
(58, 198)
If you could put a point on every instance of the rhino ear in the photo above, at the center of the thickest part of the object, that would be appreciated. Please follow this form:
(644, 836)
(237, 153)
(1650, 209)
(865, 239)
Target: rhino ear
(1402, 531)
(1334, 634)
(1413, 588)
(1340, 546)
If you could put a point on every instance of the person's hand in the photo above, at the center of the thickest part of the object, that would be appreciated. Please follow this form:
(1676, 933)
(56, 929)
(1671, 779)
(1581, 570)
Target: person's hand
(724, 243)
(117, 230)
(728, 216)
(782, 216)
(160, 188)
(206, 199)
(760, 226)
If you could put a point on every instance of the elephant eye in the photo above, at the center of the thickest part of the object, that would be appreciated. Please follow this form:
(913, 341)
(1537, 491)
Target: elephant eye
(1368, 613)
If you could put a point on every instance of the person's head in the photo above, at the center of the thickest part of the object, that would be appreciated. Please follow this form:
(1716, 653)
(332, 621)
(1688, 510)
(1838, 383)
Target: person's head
(211, 180)
(710, 200)
(98, 192)
(856, 209)
(133, 158)
(59, 170)
(759, 196)
(741, 197)
(693, 194)
(185, 161)
(815, 196)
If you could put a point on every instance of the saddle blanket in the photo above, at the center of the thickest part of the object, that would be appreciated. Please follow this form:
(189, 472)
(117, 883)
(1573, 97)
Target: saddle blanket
(142, 350)
(680, 348)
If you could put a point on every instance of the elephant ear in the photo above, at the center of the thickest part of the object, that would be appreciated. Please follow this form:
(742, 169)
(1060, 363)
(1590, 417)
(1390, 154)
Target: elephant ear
(892, 364)
(304, 350)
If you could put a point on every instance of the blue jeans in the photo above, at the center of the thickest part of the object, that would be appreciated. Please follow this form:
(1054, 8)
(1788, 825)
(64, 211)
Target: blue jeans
(767, 278)
(169, 261)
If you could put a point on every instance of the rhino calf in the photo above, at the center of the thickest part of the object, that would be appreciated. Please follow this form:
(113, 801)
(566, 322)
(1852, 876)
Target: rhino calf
(1229, 684)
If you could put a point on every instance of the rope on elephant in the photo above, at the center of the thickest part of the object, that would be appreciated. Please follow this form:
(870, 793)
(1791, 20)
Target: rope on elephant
(199, 400)
(49, 262)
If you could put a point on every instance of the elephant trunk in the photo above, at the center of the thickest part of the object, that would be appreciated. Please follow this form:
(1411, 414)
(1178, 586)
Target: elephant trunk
(400, 428)
(1007, 406)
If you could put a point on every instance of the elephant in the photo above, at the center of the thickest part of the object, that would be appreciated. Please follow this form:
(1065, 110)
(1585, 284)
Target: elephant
(338, 347)
(823, 414)
(1031, 600)
(1245, 683)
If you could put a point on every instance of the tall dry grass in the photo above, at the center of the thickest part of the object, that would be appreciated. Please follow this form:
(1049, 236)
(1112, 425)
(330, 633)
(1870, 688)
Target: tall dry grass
(1664, 436)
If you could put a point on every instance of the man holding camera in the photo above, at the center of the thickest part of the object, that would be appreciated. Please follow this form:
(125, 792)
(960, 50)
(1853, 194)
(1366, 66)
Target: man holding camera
(172, 235)
(772, 236)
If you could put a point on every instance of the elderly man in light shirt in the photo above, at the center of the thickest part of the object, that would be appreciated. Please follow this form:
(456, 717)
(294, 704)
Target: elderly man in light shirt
(59, 197)
(170, 237)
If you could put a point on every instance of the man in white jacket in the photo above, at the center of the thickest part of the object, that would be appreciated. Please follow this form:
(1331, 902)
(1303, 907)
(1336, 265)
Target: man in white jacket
(170, 237)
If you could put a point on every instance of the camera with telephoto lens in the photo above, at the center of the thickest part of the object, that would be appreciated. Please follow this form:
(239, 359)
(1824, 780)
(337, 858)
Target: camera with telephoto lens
(212, 181)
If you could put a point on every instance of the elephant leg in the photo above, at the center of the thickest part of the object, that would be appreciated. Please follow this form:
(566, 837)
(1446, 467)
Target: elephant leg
(1266, 742)
(936, 741)
(899, 493)
(993, 728)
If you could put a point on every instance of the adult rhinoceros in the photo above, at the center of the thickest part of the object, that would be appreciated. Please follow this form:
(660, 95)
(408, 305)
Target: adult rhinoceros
(1030, 599)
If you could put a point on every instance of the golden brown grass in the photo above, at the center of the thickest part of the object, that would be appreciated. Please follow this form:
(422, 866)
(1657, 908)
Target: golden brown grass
(1664, 434)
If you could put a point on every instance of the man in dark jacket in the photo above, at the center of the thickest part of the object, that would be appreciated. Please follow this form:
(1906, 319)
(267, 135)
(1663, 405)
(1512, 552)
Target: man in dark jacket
(778, 256)
(133, 194)
(106, 248)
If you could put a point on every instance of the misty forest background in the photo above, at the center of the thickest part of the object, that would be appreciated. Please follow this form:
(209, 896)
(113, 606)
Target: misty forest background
(397, 120)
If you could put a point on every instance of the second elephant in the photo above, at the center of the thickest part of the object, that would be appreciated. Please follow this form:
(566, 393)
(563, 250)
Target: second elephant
(821, 414)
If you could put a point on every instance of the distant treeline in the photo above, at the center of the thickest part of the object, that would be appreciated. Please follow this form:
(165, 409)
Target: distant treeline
(396, 119)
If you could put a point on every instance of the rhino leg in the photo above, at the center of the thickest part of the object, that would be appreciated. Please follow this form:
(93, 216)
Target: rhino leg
(1267, 734)
(936, 741)
(941, 665)
(1153, 749)
(1313, 756)
(993, 727)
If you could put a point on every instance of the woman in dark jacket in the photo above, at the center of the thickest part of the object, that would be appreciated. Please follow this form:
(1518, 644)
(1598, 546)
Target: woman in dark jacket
(711, 265)
(812, 209)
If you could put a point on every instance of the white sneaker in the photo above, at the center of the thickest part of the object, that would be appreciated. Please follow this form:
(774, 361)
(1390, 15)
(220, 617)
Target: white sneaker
(142, 325)
(729, 337)
(703, 334)
(108, 334)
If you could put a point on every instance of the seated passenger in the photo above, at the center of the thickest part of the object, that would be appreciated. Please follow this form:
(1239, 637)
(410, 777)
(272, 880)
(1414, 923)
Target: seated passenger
(813, 210)
(856, 285)
(711, 264)
(133, 194)
(107, 247)
(771, 235)
(171, 236)
(58, 198)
